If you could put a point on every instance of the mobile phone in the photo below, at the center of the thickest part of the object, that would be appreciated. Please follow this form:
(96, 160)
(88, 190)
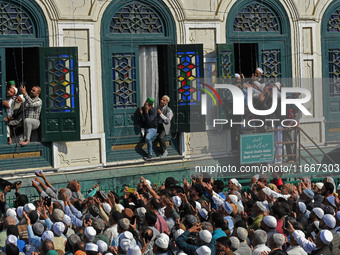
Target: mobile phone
(47, 201)
(131, 190)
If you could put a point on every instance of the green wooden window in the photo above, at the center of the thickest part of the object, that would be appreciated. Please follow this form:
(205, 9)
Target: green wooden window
(136, 18)
(60, 113)
(14, 20)
(271, 63)
(256, 18)
(334, 75)
(225, 60)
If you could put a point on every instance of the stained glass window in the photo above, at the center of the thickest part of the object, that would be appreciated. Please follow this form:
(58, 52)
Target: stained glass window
(124, 80)
(60, 90)
(256, 18)
(14, 21)
(188, 72)
(136, 18)
(271, 63)
(226, 63)
(334, 71)
(334, 22)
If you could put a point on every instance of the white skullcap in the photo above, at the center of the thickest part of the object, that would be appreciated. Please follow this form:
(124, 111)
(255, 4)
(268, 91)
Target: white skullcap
(134, 250)
(260, 70)
(319, 185)
(167, 98)
(318, 212)
(227, 207)
(11, 212)
(125, 244)
(90, 233)
(148, 183)
(277, 84)
(91, 247)
(279, 239)
(12, 239)
(236, 183)
(178, 233)
(203, 250)
(270, 221)
(309, 193)
(121, 207)
(326, 236)
(47, 235)
(20, 211)
(58, 228)
(300, 233)
(205, 235)
(198, 205)
(177, 201)
(29, 207)
(162, 242)
(204, 213)
(67, 220)
(141, 212)
(242, 233)
(126, 235)
(235, 243)
(165, 236)
(102, 246)
(261, 206)
(331, 200)
(329, 220)
(22, 98)
(233, 198)
(15, 89)
(302, 207)
(240, 207)
(237, 75)
(106, 207)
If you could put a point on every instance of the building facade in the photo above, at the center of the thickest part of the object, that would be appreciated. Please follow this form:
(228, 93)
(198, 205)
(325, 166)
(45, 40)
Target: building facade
(98, 60)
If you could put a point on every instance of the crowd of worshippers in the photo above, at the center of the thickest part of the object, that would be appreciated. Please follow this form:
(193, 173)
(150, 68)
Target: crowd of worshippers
(22, 111)
(198, 217)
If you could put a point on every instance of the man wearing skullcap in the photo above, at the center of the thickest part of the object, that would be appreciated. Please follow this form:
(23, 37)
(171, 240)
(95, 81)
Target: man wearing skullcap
(164, 123)
(329, 222)
(259, 240)
(59, 238)
(148, 121)
(242, 235)
(258, 209)
(276, 241)
(295, 248)
(269, 224)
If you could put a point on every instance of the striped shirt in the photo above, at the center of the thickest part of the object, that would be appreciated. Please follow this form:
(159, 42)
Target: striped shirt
(32, 107)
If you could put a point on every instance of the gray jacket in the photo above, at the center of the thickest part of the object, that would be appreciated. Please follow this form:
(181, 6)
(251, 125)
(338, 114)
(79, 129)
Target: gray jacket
(165, 118)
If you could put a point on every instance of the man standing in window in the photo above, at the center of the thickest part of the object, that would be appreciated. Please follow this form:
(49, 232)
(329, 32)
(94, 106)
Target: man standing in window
(32, 112)
(164, 120)
(148, 120)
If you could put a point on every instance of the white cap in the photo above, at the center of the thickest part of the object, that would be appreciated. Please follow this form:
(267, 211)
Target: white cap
(148, 183)
(141, 212)
(227, 207)
(47, 235)
(319, 212)
(236, 183)
(121, 207)
(331, 200)
(237, 75)
(329, 220)
(204, 213)
(67, 220)
(125, 244)
(205, 235)
(198, 205)
(11, 212)
(29, 207)
(326, 236)
(309, 193)
(134, 250)
(177, 201)
(242, 233)
(58, 228)
(235, 243)
(279, 239)
(233, 198)
(102, 246)
(277, 84)
(106, 207)
(319, 185)
(12, 239)
(165, 236)
(91, 247)
(20, 211)
(126, 235)
(203, 250)
(178, 233)
(270, 221)
(261, 205)
(240, 207)
(162, 242)
(260, 70)
(90, 233)
(302, 207)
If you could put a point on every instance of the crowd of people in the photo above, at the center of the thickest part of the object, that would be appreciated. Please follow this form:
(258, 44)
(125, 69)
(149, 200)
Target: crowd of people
(200, 217)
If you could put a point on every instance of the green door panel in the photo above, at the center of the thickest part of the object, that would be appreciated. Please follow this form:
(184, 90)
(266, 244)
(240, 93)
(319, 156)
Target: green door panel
(3, 126)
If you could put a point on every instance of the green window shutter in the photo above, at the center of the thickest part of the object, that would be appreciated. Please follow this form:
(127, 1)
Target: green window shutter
(3, 126)
(60, 119)
(186, 65)
(271, 60)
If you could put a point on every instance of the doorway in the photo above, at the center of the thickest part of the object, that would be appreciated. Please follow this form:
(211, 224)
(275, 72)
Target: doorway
(246, 58)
